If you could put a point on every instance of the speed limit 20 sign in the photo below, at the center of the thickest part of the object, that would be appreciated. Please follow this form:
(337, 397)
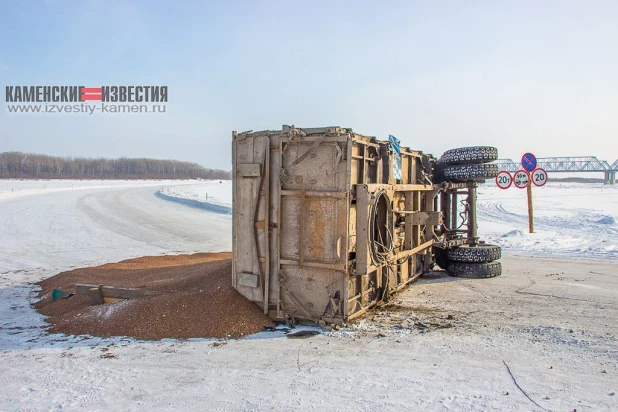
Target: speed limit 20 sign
(504, 180)
(539, 176)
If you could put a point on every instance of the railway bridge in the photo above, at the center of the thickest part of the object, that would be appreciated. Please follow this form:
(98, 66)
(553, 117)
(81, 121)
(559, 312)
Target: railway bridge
(568, 165)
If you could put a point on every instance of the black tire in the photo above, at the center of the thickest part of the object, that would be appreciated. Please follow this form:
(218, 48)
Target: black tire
(439, 172)
(470, 155)
(441, 258)
(475, 254)
(465, 173)
(475, 270)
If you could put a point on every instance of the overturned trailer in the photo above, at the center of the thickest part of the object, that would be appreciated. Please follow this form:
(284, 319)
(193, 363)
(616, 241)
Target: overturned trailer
(329, 222)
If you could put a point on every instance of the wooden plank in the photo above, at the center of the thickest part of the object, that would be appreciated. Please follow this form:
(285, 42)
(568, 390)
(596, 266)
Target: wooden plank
(96, 296)
(266, 222)
(122, 293)
(405, 168)
(401, 188)
(275, 205)
(365, 167)
(248, 151)
(409, 204)
(248, 170)
(362, 220)
(423, 218)
(82, 289)
(401, 255)
(310, 264)
(314, 193)
(234, 210)
(417, 249)
(301, 239)
(349, 171)
(347, 210)
(429, 208)
(257, 204)
(416, 230)
(321, 130)
(112, 292)
(243, 220)
(404, 270)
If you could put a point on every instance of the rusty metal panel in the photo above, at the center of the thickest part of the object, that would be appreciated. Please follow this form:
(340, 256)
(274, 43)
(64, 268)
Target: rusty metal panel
(307, 166)
(312, 287)
(313, 228)
(324, 229)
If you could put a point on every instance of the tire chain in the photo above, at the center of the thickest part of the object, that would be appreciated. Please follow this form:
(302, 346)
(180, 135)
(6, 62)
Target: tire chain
(475, 254)
(470, 155)
(475, 270)
(464, 173)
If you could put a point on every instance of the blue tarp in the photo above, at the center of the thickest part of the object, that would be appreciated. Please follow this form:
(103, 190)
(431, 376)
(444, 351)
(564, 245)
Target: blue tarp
(397, 158)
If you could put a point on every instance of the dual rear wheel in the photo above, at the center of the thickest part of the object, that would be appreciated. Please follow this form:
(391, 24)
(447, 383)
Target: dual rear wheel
(470, 261)
(469, 164)
(474, 261)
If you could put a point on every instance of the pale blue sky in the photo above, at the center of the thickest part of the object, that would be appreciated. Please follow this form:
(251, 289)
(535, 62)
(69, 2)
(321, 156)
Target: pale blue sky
(539, 76)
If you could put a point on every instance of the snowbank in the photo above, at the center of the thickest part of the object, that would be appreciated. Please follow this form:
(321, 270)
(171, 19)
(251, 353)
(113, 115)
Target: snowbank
(212, 195)
(570, 219)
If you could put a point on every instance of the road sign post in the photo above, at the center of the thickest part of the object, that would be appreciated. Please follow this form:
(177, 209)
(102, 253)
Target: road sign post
(529, 163)
(529, 175)
(530, 210)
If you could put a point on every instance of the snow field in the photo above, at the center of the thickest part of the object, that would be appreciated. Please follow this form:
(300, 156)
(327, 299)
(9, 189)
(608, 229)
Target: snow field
(552, 320)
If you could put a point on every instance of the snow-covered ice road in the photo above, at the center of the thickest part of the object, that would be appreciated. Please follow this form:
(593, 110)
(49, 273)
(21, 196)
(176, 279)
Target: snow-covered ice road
(552, 321)
(51, 230)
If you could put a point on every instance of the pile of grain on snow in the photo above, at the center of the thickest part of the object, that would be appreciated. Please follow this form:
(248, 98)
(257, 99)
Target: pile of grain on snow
(194, 299)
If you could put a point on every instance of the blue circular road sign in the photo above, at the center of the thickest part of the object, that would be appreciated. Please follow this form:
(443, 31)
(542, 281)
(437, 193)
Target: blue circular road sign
(528, 162)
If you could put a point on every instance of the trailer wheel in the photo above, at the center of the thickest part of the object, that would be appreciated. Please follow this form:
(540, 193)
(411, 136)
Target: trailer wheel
(475, 253)
(439, 172)
(475, 270)
(475, 172)
(441, 257)
(470, 155)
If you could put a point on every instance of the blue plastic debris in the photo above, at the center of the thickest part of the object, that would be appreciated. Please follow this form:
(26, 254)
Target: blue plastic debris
(397, 160)
(60, 294)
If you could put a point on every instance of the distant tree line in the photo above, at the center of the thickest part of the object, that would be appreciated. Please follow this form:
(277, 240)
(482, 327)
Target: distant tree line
(35, 166)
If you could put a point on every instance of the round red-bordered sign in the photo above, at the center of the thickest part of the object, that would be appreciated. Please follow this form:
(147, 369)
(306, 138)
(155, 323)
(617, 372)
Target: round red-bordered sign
(539, 176)
(504, 180)
(528, 162)
(521, 179)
